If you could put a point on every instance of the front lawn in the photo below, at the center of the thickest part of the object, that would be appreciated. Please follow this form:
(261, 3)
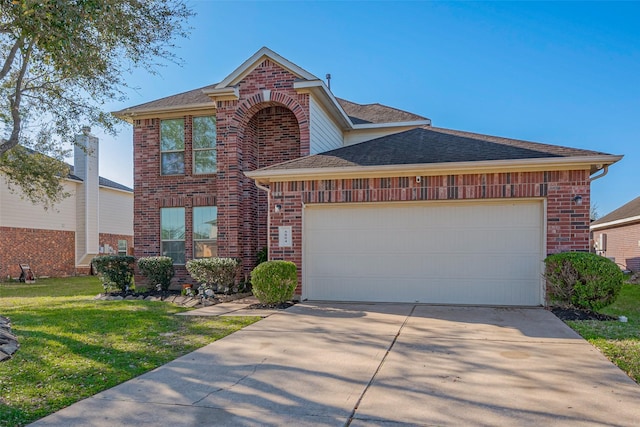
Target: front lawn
(620, 342)
(72, 346)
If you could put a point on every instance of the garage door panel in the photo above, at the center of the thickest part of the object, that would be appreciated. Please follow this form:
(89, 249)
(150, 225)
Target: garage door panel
(458, 253)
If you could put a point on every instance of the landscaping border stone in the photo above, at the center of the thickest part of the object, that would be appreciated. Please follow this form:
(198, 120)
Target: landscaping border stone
(8, 341)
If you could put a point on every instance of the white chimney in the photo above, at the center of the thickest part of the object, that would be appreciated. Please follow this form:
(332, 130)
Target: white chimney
(85, 166)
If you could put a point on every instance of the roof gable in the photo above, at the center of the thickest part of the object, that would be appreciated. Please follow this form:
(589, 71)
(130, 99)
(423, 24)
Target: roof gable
(625, 213)
(256, 59)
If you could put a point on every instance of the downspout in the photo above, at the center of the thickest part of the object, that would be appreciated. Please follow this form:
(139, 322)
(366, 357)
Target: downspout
(605, 170)
(268, 191)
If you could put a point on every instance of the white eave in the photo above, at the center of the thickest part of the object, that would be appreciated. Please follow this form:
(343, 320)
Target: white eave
(224, 93)
(129, 115)
(363, 126)
(615, 223)
(431, 169)
(323, 95)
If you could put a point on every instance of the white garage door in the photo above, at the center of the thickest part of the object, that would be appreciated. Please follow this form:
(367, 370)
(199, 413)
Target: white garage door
(449, 253)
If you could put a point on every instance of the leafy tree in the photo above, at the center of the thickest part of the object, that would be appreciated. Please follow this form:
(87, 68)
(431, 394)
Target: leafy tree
(61, 60)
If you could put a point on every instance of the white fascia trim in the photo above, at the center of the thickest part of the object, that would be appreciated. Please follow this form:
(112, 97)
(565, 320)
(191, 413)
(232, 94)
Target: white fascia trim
(248, 66)
(232, 92)
(616, 222)
(426, 122)
(106, 187)
(130, 115)
(525, 165)
(324, 96)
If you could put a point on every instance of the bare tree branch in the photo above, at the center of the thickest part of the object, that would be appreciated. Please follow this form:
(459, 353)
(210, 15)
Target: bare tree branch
(12, 55)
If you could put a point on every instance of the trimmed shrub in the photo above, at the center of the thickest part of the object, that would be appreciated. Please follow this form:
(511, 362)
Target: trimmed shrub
(115, 270)
(582, 279)
(158, 270)
(218, 272)
(274, 281)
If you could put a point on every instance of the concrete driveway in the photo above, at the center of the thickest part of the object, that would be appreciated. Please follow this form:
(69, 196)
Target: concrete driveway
(378, 364)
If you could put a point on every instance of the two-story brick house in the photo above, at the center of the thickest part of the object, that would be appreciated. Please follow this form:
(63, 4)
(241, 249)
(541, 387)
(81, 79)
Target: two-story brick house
(371, 202)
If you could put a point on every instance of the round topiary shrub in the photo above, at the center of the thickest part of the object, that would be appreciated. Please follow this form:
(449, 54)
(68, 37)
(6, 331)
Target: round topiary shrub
(274, 281)
(582, 279)
(158, 270)
(218, 272)
(116, 270)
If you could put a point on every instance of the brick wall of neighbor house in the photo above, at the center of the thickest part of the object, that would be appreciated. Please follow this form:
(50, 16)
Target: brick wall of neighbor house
(48, 252)
(112, 241)
(567, 222)
(623, 245)
(267, 124)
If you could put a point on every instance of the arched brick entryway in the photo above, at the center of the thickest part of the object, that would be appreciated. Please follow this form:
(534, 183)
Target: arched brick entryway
(262, 128)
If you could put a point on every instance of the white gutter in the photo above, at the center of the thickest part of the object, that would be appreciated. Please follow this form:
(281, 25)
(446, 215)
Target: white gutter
(604, 172)
(426, 122)
(129, 115)
(421, 169)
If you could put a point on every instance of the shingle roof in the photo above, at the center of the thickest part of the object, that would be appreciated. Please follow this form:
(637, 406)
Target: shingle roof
(427, 145)
(358, 113)
(104, 182)
(376, 113)
(629, 210)
(191, 97)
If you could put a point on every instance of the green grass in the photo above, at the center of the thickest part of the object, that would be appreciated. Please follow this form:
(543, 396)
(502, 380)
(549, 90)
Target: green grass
(620, 342)
(72, 346)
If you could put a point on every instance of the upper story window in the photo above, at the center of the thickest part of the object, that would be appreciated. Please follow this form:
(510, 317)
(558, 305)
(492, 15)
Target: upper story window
(172, 234)
(172, 146)
(204, 145)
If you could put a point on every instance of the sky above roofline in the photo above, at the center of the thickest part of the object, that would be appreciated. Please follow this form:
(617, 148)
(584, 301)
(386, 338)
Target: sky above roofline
(557, 73)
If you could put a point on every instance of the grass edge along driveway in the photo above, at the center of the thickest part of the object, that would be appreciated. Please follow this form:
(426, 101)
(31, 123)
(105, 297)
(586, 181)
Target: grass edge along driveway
(72, 346)
(618, 341)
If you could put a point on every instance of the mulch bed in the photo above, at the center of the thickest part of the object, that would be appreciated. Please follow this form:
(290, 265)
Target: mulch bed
(280, 306)
(570, 313)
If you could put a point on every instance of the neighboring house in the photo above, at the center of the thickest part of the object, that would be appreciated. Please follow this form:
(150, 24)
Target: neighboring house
(96, 218)
(372, 203)
(617, 235)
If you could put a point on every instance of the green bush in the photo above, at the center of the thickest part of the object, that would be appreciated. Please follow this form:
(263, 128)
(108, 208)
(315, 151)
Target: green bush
(274, 281)
(218, 272)
(262, 255)
(158, 270)
(115, 270)
(582, 279)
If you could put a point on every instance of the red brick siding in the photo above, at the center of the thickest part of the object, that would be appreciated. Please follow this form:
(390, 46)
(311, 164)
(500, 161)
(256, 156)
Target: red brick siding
(112, 240)
(153, 191)
(48, 252)
(623, 245)
(567, 222)
(249, 134)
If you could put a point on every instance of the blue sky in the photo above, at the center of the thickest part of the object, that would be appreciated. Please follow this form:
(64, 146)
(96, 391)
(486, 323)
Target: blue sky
(559, 73)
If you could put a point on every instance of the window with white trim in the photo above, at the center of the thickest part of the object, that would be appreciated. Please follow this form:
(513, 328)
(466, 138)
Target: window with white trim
(204, 145)
(205, 232)
(172, 147)
(172, 234)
